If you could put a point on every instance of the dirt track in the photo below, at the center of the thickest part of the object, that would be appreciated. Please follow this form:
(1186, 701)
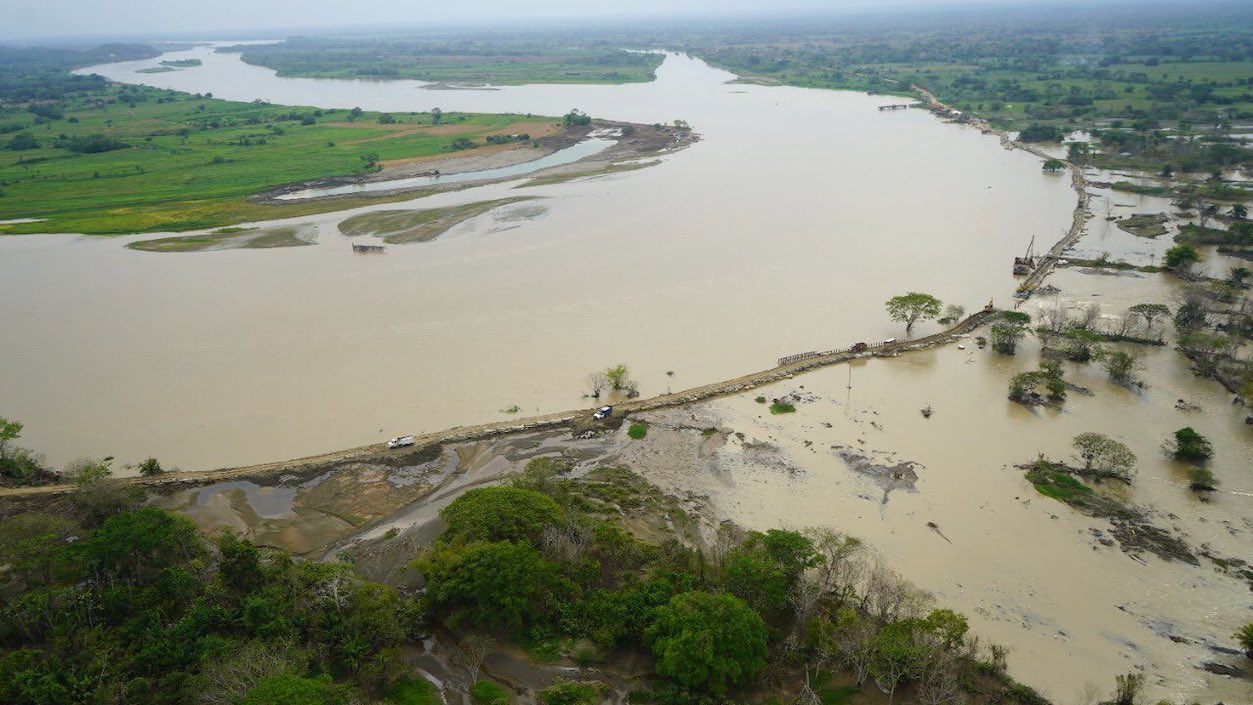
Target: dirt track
(556, 420)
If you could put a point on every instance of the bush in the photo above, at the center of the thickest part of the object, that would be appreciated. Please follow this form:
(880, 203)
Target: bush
(1182, 256)
(290, 689)
(1201, 480)
(94, 144)
(638, 430)
(1245, 637)
(572, 693)
(782, 407)
(1188, 445)
(488, 693)
(499, 514)
(23, 141)
(1037, 132)
(414, 691)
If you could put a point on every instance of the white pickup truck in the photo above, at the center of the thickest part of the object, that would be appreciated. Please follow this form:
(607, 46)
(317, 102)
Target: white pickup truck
(400, 442)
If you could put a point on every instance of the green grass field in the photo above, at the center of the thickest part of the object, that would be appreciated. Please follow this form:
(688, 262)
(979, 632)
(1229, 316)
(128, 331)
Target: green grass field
(194, 162)
(502, 61)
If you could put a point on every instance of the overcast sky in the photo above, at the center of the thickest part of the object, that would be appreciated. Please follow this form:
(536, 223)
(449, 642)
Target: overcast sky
(47, 18)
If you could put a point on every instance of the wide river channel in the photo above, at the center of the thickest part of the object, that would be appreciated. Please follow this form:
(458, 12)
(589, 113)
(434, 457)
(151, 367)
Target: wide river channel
(783, 230)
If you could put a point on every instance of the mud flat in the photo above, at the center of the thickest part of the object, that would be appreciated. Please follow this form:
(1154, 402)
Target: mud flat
(397, 227)
(230, 239)
(631, 142)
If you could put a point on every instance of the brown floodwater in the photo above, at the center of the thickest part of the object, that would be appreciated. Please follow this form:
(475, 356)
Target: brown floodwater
(1029, 571)
(782, 231)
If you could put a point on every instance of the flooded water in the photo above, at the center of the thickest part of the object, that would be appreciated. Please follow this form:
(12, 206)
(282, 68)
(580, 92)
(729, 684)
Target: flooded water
(1031, 572)
(782, 231)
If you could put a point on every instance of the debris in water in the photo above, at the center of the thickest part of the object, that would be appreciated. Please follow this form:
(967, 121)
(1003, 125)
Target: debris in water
(936, 528)
(926, 410)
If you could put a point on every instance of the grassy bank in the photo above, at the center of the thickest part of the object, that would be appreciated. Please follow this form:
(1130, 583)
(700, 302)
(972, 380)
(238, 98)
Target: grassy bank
(134, 159)
(497, 60)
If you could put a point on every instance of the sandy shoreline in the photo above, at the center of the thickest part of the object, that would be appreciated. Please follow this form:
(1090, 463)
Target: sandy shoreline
(644, 141)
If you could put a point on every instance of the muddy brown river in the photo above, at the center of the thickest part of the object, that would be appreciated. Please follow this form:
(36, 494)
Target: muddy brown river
(783, 230)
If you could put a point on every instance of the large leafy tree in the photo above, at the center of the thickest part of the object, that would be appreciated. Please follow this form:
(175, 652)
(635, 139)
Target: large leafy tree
(136, 544)
(708, 642)
(498, 584)
(909, 308)
(1100, 452)
(499, 514)
(764, 568)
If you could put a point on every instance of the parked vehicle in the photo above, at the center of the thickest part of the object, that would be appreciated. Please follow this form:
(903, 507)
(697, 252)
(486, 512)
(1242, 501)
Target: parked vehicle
(400, 442)
(602, 412)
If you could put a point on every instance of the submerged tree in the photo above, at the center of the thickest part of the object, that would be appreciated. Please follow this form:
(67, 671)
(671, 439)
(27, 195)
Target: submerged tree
(1245, 637)
(1150, 313)
(1005, 334)
(1102, 453)
(909, 308)
(1120, 365)
(1188, 445)
(1181, 257)
(618, 375)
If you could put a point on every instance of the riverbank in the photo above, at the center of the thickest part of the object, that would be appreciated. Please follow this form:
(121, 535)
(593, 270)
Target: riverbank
(1080, 215)
(630, 142)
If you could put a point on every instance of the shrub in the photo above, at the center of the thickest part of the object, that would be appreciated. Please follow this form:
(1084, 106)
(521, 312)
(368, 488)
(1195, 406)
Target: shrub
(290, 689)
(782, 407)
(1188, 445)
(638, 430)
(23, 141)
(1037, 132)
(499, 514)
(150, 467)
(1201, 480)
(488, 693)
(760, 399)
(1245, 637)
(572, 693)
(94, 144)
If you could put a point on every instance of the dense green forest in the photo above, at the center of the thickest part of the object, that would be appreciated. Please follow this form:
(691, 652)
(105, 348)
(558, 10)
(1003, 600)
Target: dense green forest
(43, 73)
(108, 601)
(480, 58)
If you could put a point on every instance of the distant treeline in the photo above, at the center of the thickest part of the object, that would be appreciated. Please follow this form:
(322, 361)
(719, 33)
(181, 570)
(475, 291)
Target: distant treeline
(43, 73)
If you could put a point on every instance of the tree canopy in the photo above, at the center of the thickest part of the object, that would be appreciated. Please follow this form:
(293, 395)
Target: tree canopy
(1100, 452)
(708, 641)
(498, 584)
(499, 514)
(909, 308)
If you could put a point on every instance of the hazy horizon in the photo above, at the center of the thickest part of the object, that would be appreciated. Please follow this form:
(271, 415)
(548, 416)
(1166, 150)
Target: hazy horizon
(84, 19)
